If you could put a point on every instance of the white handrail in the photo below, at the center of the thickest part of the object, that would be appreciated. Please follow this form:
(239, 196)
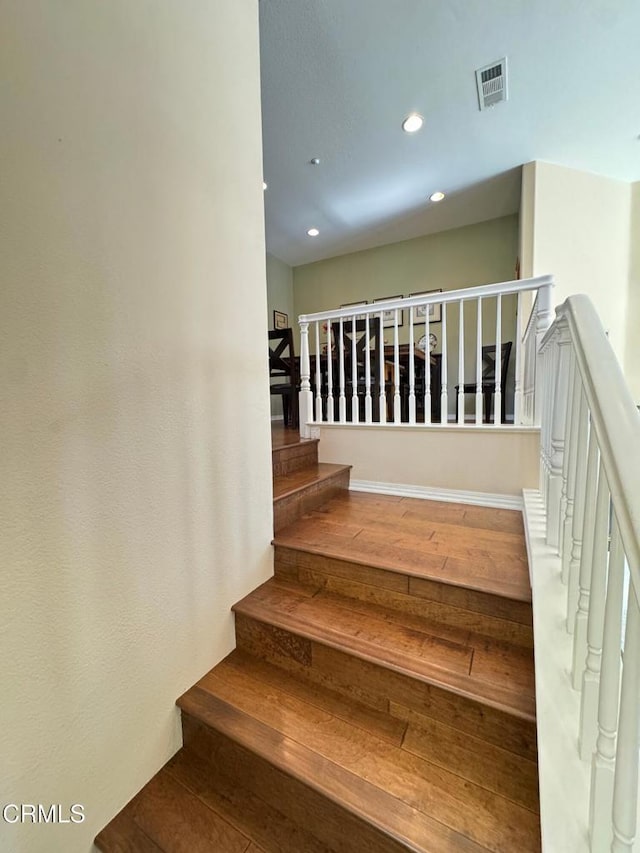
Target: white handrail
(613, 412)
(466, 293)
(590, 462)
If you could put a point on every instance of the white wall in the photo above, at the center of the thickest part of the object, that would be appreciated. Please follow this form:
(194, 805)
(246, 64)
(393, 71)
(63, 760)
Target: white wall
(582, 236)
(135, 482)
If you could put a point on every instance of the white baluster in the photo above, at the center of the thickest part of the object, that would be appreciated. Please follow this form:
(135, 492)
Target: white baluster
(383, 391)
(595, 624)
(497, 399)
(368, 403)
(548, 391)
(460, 401)
(355, 403)
(566, 452)
(603, 763)
(557, 436)
(479, 365)
(412, 371)
(444, 405)
(578, 513)
(305, 396)
(586, 558)
(625, 784)
(544, 316)
(517, 396)
(318, 376)
(330, 409)
(571, 472)
(397, 413)
(342, 400)
(427, 369)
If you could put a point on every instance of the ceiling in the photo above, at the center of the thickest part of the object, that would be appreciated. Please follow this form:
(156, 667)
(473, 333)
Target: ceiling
(339, 76)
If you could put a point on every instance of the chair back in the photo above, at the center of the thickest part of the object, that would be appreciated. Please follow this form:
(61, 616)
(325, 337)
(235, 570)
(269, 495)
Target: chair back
(375, 348)
(282, 362)
(489, 364)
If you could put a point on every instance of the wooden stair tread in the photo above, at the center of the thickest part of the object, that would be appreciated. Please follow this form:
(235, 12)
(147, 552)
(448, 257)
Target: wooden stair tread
(327, 728)
(459, 544)
(166, 817)
(285, 485)
(349, 790)
(469, 665)
(182, 809)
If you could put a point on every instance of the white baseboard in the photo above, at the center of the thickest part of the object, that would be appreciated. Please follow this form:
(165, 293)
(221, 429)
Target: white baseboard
(434, 494)
(277, 418)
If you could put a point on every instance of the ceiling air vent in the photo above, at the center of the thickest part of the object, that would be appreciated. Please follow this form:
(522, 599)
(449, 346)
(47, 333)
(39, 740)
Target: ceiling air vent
(492, 84)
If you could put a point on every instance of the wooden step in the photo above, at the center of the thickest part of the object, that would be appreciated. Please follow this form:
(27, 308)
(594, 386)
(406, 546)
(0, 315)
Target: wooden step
(475, 548)
(181, 809)
(482, 613)
(392, 660)
(417, 568)
(359, 779)
(307, 489)
(286, 458)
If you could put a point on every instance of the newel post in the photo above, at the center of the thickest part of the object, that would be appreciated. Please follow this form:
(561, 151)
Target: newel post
(544, 318)
(305, 396)
(557, 429)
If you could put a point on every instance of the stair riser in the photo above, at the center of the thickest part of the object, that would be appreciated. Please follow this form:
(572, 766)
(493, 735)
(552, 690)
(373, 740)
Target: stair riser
(333, 825)
(286, 460)
(381, 688)
(469, 610)
(290, 508)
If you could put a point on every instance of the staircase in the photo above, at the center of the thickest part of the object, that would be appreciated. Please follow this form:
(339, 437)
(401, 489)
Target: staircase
(381, 694)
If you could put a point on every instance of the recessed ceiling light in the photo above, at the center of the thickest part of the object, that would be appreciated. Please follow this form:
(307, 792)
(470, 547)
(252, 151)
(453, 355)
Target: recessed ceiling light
(436, 196)
(412, 123)
(264, 185)
(313, 232)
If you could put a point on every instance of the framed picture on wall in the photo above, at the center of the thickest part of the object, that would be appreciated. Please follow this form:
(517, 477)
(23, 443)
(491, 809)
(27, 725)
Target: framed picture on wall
(435, 310)
(388, 316)
(280, 320)
(353, 305)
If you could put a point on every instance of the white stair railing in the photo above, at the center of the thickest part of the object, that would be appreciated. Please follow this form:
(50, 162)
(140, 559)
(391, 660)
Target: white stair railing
(590, 463)
(360, 378)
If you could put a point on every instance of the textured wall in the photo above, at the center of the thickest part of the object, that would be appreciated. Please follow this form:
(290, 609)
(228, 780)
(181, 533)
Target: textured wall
(135, 480)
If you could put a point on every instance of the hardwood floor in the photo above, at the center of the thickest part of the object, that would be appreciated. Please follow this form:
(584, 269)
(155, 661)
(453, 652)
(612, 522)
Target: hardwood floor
(381, 697)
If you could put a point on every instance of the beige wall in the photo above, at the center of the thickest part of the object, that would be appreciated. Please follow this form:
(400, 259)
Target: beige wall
(527, 220)
(493, 461)
(135, 483)
(279, 289)
(279, 298)
(632, 337)
(463, 257)
(581, 236)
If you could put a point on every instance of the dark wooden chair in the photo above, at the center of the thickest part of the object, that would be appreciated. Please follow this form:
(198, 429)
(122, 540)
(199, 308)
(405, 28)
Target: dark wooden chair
(489, 380)
(283, 373)
(375, 356)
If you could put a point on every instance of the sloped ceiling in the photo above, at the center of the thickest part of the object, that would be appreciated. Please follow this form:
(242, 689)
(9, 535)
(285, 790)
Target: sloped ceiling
(338, 77)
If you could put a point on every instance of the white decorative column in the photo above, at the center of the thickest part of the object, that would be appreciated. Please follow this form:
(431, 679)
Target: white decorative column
(305, 396)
